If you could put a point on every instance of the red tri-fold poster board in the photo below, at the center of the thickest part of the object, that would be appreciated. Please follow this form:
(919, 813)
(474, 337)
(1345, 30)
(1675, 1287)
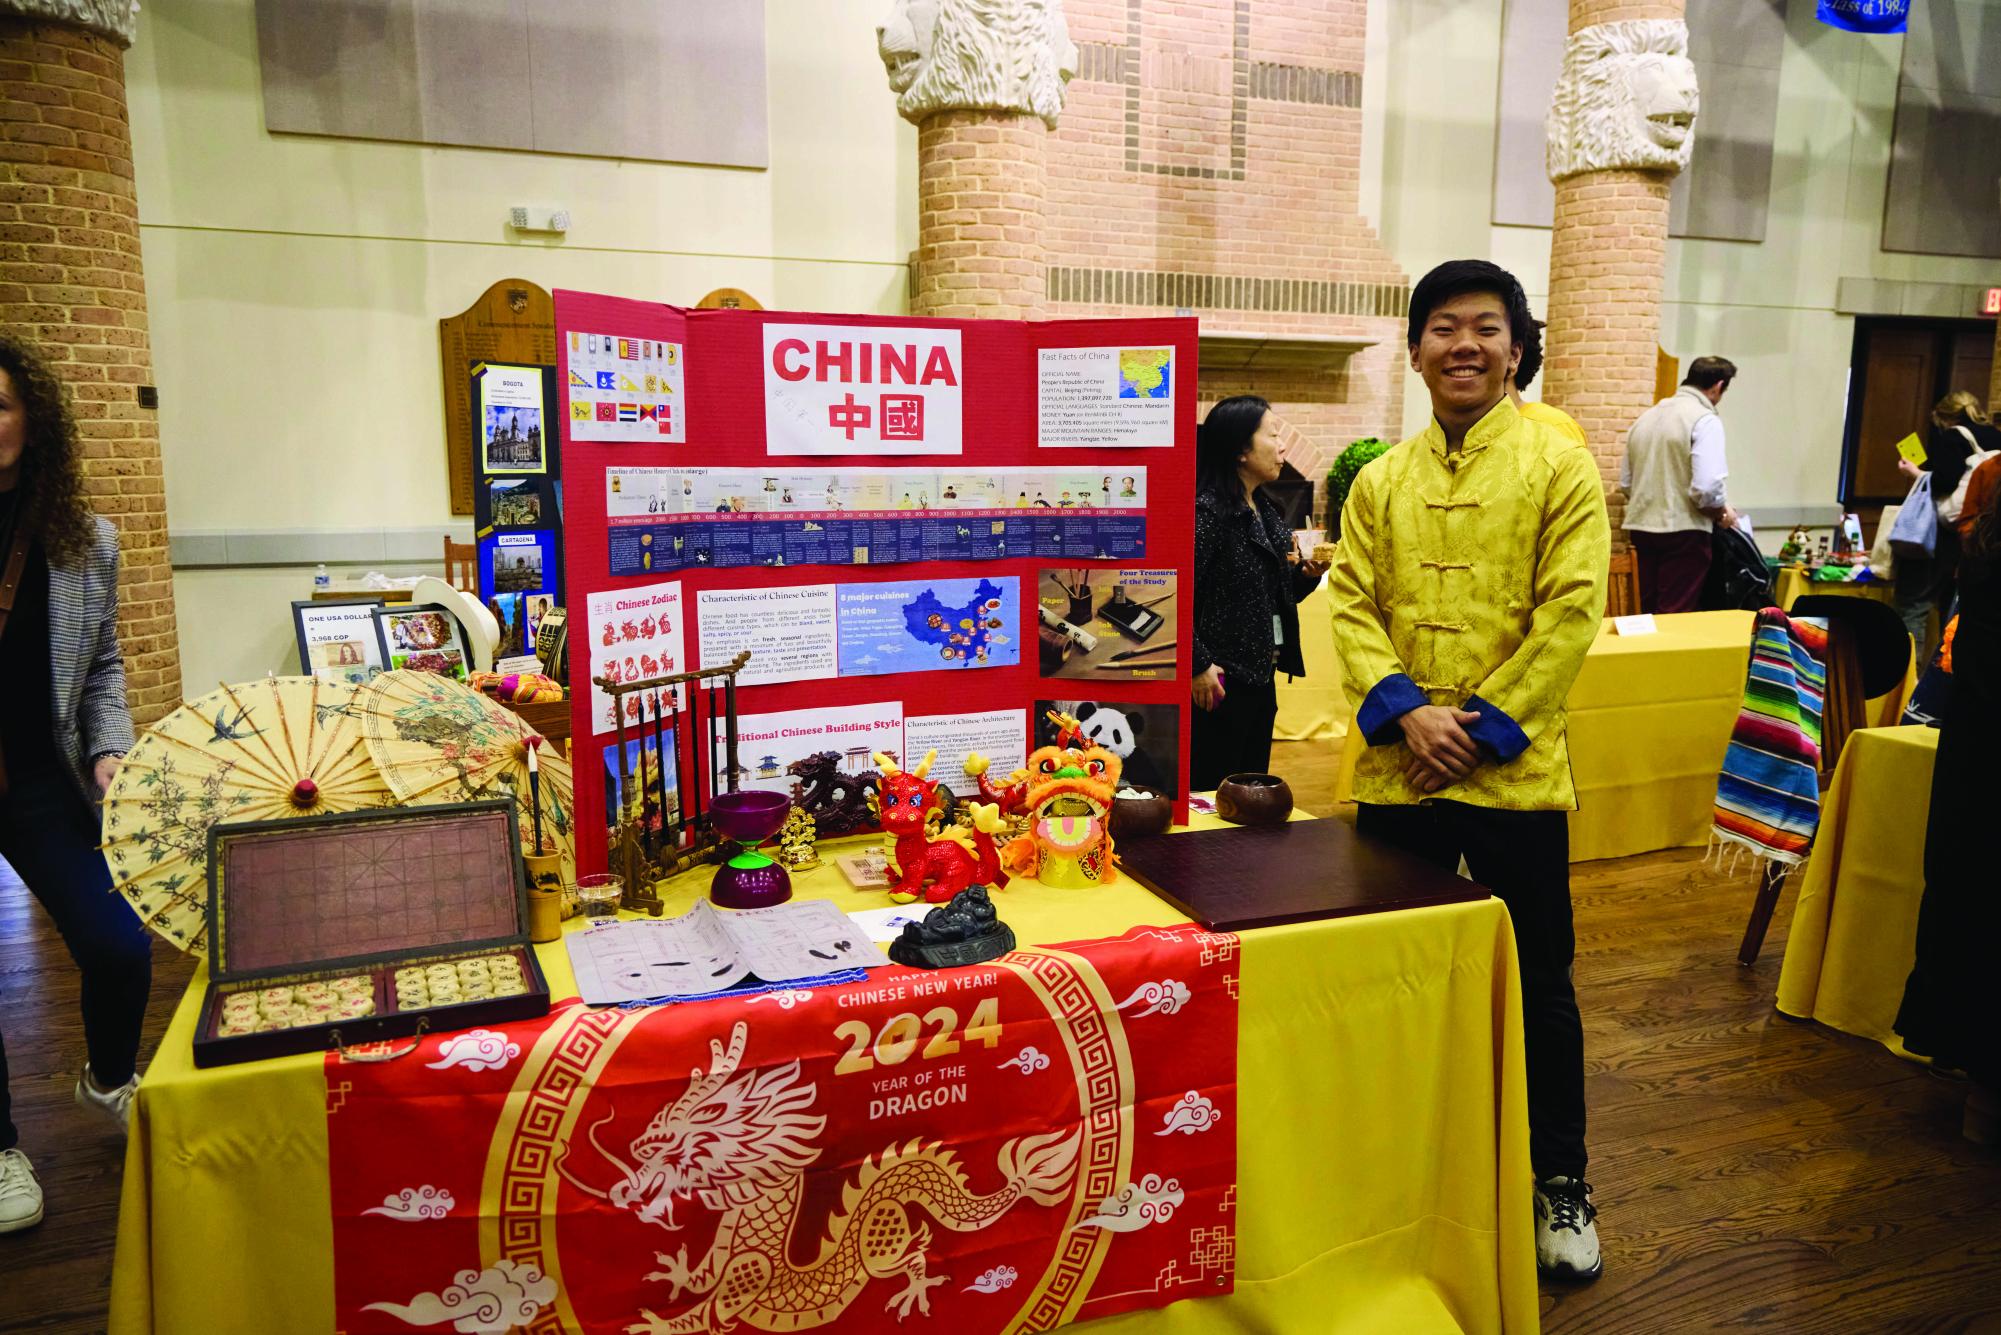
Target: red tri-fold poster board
(881, 508)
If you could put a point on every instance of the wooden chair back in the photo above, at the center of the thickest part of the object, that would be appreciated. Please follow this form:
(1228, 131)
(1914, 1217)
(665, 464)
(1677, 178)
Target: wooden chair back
(1843, 708)
(1622, 585)
(462, 565)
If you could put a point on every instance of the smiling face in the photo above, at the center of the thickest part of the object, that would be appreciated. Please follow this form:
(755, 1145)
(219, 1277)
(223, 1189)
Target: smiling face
(1467, 355)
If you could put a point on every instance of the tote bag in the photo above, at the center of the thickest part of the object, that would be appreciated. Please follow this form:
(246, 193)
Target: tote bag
(1915, 533)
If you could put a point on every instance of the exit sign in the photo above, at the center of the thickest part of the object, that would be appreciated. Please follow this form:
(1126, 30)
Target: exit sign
(1991, 303)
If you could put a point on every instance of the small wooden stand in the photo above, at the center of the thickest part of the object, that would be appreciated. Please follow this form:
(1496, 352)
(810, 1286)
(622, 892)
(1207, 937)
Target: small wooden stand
(686, 837)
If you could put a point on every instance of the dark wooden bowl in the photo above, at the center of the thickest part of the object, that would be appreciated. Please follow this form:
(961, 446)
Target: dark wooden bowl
(1134, 817)
(1254, 799)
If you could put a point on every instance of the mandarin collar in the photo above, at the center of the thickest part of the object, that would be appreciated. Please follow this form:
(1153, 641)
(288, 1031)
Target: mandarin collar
(1500, 419)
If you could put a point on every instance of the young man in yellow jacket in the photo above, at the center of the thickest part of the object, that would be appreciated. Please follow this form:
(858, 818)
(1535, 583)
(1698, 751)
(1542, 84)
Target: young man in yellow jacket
(1470, 583)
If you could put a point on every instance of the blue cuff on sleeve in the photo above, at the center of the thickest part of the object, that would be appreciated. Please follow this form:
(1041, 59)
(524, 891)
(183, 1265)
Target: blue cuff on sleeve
(1392, 698)
(1495, 730)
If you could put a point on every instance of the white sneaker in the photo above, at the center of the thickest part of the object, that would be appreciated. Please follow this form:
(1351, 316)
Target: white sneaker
(1566, 1229)
(20, 1193)
(115, 1104)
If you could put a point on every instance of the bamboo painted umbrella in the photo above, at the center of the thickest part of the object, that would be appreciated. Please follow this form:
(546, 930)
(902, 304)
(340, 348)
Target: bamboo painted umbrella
(272, 749)
(437, 740)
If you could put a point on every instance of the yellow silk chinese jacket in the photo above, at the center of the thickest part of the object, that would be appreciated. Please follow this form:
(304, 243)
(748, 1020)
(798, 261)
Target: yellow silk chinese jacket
(1474, 578)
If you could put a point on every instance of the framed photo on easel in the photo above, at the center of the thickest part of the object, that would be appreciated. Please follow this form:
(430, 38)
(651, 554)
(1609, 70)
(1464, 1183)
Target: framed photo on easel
(422, 638)
(337, 640)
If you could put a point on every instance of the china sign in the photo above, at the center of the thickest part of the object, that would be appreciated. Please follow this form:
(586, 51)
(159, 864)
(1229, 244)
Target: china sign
(862, 389)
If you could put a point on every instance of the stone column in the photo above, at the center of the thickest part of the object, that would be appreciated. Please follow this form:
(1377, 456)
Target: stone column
(984, 90)
(1621, 126)
(71, 281)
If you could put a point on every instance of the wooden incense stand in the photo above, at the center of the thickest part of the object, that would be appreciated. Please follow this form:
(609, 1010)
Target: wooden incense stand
(662, 831)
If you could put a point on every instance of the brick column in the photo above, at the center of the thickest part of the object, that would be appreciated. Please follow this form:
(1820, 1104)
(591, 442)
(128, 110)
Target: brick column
(1607, 262)
(71, 281)
(980, 179)
(1607, 256)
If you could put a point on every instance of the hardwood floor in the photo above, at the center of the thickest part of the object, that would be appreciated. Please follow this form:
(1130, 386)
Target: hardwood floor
(1753, 1173)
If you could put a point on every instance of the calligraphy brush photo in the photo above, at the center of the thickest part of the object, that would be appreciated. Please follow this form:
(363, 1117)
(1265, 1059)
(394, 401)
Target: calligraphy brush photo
(1147, 652)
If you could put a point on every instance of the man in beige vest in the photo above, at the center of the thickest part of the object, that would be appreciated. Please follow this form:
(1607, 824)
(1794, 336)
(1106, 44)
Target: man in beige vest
(1673, 476)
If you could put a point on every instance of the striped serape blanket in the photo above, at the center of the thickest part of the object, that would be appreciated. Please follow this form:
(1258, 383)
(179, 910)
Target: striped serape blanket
(1768, 795)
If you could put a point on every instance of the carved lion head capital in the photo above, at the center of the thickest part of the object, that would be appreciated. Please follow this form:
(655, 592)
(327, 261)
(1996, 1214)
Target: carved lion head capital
(991, 55)
(1627, 100)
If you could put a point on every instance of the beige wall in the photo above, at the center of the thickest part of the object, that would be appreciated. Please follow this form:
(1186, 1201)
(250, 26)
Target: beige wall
(1769, 307)
(297, 282)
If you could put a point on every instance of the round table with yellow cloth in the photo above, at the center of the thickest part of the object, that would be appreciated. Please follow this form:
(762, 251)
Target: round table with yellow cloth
(1854, 930)
(1382, 1137)
(1796, 582)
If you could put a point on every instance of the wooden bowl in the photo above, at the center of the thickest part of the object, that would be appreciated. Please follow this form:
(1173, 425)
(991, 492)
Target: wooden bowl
(1135, 816)
(1254, 799)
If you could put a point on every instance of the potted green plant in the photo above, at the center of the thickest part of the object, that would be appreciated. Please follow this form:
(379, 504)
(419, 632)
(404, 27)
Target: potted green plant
(1341, 477)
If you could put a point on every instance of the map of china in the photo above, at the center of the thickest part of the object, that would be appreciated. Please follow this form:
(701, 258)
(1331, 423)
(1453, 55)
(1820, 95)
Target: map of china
(962, 634)
(1143, 373)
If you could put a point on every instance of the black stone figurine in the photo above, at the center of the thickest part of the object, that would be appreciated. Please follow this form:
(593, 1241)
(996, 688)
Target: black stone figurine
(965, 931)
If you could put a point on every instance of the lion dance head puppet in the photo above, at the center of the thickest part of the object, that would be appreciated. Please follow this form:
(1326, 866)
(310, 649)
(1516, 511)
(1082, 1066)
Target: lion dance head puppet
(1066, 792)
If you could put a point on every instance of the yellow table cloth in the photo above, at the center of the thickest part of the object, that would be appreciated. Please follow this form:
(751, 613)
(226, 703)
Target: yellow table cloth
(1796, 582)
(1855, 928)
(1382, 1138)
(1650, 718)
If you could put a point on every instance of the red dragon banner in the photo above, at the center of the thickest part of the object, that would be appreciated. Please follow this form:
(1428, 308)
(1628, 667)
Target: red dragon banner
(1004, 1148)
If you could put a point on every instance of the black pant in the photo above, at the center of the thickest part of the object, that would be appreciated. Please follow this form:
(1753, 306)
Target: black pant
(1234, 737)
(49, 837)
(1524, 858)
(1673, 568)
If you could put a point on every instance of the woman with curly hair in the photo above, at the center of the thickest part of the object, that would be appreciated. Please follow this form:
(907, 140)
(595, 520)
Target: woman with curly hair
(62, 733)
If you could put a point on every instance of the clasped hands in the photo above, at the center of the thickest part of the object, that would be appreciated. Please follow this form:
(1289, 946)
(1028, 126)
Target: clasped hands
(1441, 751)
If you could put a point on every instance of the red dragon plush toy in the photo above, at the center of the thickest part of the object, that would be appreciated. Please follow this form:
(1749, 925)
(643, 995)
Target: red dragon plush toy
(932, 868)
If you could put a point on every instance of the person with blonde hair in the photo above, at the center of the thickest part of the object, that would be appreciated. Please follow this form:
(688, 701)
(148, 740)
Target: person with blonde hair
(1961, 435)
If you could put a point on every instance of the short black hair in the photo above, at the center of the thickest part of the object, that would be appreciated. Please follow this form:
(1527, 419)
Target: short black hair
(1531, 363)
(1455, 278)
(1705, 372)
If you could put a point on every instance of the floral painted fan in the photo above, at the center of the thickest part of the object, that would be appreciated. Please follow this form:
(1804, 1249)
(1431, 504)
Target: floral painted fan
(266, 750)
(437, 740)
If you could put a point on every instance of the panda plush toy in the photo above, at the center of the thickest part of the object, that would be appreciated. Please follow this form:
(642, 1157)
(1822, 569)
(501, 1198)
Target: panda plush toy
(1119, 732)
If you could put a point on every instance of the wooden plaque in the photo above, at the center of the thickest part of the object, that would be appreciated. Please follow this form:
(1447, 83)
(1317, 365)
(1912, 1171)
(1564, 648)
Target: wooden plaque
(1260, 876)
(513, 321)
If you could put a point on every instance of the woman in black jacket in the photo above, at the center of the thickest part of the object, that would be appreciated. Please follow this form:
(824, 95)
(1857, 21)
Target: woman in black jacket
(1248, 583)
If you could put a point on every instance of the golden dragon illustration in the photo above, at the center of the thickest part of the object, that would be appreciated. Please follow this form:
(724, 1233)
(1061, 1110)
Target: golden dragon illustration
(741, 1144)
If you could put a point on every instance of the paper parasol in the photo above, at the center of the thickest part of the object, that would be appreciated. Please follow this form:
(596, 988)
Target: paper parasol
(266, 750)
(437, 740)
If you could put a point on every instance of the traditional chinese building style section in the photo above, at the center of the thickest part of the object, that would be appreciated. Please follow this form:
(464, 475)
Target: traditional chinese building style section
(1208, 159)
